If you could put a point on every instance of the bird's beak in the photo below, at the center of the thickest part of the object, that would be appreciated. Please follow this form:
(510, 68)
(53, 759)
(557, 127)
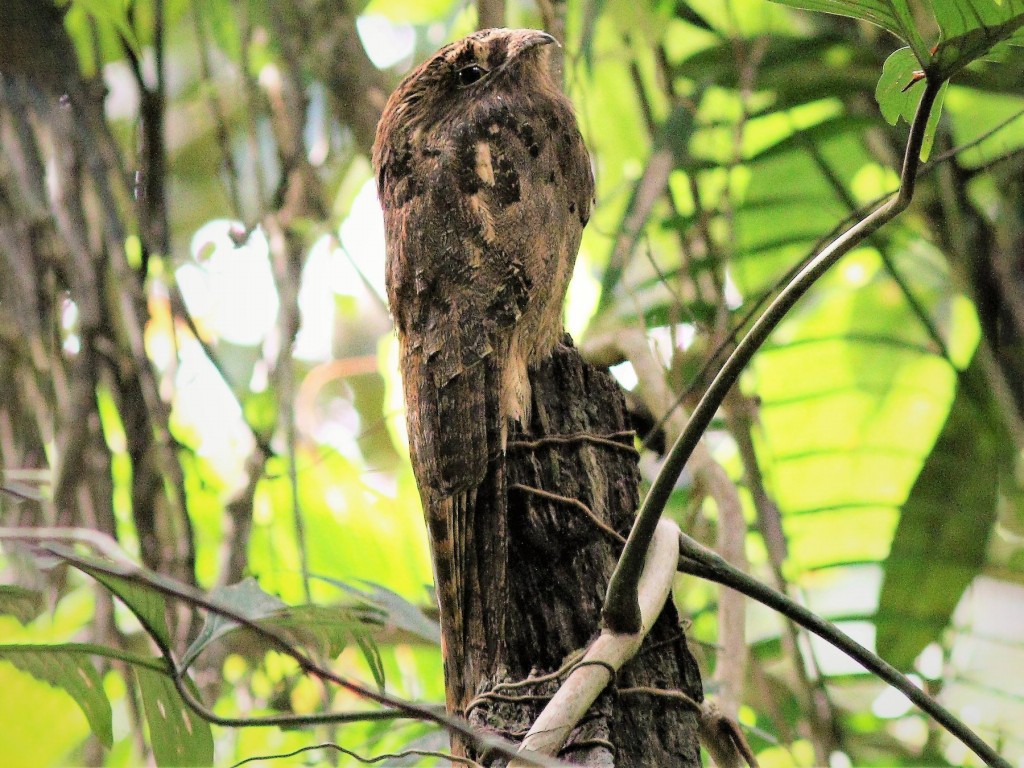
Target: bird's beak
(530, 38)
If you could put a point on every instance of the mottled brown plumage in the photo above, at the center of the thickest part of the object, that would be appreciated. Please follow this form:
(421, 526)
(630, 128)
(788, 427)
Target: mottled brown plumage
(486, 187)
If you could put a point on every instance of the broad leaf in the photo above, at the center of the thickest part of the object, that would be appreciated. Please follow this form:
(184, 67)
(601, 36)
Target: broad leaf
(325, 630)
(942, 537)
(245, 598)
(146, 603)
(397, 611)
(971, 29)
(893, 15)
(71, 670)
(178, 735)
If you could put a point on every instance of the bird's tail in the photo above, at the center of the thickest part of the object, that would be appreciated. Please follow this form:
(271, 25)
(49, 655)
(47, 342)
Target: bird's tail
(447, 525)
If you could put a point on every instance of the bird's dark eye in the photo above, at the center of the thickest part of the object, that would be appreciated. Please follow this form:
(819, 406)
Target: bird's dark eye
(469, 75)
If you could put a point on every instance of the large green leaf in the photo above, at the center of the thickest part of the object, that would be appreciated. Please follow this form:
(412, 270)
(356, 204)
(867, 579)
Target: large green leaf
(971, 29)
(940, 543)
(146, 603)
(893, 15)
(179, 736)
(852, 400)
(40, 725)
(69, 668)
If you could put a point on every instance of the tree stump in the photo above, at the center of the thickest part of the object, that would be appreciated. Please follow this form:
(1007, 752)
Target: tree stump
(538, 569)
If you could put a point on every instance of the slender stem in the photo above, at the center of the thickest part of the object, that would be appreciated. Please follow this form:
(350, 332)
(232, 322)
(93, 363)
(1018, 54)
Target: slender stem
(621, 611)
(701, 561)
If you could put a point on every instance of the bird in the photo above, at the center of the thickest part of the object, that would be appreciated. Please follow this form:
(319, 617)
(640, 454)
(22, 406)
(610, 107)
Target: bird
(486, 184)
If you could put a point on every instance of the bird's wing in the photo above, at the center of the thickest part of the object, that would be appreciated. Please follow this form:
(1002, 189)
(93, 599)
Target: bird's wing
(456, 290)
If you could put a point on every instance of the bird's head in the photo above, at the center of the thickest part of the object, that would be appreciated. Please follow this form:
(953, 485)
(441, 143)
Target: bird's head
(453, 79)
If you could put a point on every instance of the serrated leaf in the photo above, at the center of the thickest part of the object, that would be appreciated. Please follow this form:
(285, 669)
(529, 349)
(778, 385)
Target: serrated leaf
(74, 673)
(23, 604)
(179, 737)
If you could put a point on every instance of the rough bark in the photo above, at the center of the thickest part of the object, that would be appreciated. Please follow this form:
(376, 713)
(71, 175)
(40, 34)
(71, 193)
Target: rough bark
(541, 568)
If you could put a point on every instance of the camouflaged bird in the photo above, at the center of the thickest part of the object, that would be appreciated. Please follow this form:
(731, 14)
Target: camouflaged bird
(486, 186)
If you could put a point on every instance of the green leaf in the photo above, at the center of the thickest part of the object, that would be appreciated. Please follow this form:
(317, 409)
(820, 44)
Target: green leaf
(72, 671)
(942, 537)
(852, 399)
(146, 603)
(325, 629)
(899, 92)
(971, 29)
(179, 737)
(116, 15)
(373, 660)
(893, 15)
(23, 604)
(245, 598)
(397, 611)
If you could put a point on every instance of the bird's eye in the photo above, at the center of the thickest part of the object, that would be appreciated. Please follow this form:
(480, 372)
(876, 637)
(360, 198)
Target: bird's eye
(469, 75)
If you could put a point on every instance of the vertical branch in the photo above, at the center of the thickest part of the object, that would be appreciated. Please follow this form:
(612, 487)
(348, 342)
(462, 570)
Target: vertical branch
(217, 112)
(730, 672)
(490, 13)
(299, 196)
(360, 90)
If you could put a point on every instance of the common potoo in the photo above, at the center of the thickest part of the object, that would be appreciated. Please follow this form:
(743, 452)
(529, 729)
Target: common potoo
(486, 187)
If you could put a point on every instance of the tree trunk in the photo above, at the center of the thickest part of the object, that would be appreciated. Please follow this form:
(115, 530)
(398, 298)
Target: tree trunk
(541, 567)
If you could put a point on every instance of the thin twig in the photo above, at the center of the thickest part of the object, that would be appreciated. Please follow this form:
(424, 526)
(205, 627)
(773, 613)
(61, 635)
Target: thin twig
(607, 529)
(950, 153)
(360, 758)
(608, 441)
